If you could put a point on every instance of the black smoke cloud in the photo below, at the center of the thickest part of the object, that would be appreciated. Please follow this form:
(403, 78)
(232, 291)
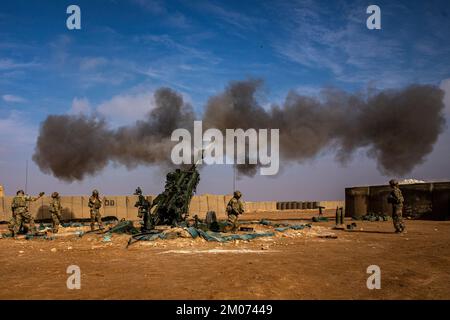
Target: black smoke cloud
(73, 146)
(398, 128)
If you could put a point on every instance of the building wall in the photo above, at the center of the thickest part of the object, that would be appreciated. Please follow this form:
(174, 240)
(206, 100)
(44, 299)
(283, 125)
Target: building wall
(422, 200)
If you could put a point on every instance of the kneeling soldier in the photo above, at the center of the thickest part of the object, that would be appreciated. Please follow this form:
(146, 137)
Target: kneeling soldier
(235, 207)
(144, 204)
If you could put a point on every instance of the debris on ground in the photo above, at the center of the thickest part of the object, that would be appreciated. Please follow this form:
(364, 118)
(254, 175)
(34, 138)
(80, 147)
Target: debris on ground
(125, 232)
(328, 236)
(372, 217)
(319, 219)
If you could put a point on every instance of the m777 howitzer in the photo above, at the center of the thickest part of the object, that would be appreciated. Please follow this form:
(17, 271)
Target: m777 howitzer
(171, 207)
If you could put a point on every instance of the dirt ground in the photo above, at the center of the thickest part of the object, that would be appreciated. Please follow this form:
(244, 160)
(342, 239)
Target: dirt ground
(292, 265)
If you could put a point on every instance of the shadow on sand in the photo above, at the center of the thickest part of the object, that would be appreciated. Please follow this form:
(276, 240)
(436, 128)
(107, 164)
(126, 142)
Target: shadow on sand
(371, 231)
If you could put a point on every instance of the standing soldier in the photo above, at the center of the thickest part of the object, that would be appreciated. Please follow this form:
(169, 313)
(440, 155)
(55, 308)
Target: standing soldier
(143, 204)
(95, 204)
(55, 210)
(21, 213)
(396, 199)
(235, 207)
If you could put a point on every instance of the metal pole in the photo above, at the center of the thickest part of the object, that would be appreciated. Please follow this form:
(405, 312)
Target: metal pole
(234, 178)
(26, 177)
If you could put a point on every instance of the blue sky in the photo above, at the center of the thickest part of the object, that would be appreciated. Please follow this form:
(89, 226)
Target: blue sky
(127, 49)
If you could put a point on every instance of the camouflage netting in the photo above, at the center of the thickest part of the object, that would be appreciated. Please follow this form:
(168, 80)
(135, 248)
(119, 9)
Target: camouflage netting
(202, 232)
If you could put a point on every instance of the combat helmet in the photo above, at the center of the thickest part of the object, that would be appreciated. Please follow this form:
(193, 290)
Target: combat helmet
(55, 194)
(20, 192)
(393, 182)
(95, 192)
(237, 194)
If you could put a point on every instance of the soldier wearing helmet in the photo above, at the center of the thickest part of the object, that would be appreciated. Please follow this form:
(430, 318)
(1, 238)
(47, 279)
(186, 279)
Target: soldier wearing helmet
(396, 199)
(95, 204)
(21, 216)
(234, 208)
(55, 211)
(144, 204)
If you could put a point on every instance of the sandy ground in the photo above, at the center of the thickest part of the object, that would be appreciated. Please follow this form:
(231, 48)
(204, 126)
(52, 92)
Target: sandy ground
(292, 265)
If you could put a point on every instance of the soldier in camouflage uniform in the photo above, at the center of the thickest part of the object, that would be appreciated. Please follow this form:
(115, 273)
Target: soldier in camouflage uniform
(55, 210)
(144, 204)
(95, 204)
(235, 207)
(396, 199)
(21, 214)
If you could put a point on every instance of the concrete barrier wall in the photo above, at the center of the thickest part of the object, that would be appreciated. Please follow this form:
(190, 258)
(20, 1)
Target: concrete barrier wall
(332, 204)
(122, 207)
(303, 205)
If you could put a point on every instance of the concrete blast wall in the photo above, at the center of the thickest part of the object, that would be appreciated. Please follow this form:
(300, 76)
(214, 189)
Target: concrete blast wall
(302, 205)
(76, 207)
(422, 200)
(122, 207)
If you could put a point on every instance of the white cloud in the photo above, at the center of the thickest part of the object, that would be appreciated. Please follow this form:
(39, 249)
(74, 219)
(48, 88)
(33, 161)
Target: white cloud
(351, 54)
(16, 134)
(13, 98)
(159, 8)
(8, 64)
(92, 63)
(153, 6)
(308, 90)
(126, 108)
(80, 105)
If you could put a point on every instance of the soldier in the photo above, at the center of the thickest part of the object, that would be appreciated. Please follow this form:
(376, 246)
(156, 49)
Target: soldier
(55, 210)
(95, 204)
(235, 207)
(144, 204)
(21, 214)
(396, 199)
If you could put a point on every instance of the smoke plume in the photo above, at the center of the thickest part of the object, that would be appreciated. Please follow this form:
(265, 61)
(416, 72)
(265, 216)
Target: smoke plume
(398, 128)
(73, 146)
